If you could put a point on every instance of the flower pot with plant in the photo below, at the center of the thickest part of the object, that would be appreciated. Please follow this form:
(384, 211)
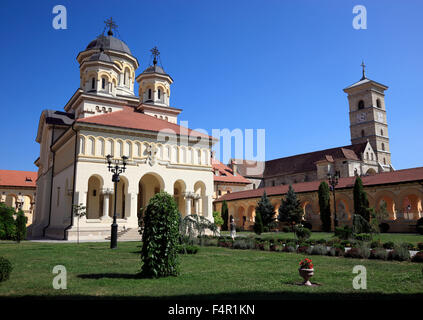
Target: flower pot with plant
(306, 271)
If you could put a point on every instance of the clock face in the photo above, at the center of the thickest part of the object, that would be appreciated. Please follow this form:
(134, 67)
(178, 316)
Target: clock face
(380, 116)
(361, 117)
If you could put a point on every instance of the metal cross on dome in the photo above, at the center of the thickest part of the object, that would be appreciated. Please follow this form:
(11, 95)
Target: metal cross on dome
(111, 25)
(155, 53)
(364, 70)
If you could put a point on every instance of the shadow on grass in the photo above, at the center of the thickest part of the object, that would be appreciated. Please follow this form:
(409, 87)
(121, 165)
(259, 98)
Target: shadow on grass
(111, 276)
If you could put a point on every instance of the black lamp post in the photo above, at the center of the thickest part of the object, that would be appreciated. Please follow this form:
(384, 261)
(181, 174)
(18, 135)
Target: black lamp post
(116, 169)
(333, 181)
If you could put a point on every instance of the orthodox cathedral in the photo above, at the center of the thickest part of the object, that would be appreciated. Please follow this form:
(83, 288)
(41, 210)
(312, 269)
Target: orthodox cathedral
(139, 132)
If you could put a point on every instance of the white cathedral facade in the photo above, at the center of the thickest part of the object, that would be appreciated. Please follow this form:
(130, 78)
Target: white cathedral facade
(104, 116)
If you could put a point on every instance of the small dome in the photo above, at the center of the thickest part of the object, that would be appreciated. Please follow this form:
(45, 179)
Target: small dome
(109, 43)
(100, 56)
(154, 69)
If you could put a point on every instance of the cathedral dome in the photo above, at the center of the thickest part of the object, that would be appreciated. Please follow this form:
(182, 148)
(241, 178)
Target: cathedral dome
(100, 56)
(154, 69)
(109, 43)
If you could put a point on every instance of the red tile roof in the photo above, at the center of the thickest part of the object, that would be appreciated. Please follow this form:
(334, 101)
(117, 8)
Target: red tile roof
(304, 162)
(399, 176)
(226, 174)
(14, 178)
(131, 119)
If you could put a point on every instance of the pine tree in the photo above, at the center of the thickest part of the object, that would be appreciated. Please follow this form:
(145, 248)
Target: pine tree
(290, 210)
(258, 224)
(361, 203)
(224, 215)
(324, 204)
(267, 212)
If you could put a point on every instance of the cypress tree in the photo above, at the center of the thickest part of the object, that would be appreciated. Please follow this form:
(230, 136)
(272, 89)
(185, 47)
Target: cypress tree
(224, 215)
(361, 203)
(324, 205)
(20, 223)
(258, 224)
(267, 211)
(290, 210)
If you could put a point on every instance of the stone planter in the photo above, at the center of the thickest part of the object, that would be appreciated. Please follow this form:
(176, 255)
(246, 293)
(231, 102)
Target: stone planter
(306, 274)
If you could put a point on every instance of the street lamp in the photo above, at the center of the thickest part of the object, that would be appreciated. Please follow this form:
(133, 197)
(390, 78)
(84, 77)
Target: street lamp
(333, 181)
(116, 169)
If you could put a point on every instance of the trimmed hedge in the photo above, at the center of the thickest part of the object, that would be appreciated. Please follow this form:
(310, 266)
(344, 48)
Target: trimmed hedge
(5, 269)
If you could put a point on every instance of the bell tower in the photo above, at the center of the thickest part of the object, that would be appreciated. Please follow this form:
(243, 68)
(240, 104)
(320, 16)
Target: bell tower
(368, 121)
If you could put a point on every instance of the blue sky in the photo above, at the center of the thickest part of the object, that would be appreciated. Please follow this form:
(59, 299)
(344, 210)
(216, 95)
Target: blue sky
(277, 65)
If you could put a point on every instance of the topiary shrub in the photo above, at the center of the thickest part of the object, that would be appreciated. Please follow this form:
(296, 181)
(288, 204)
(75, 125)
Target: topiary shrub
(399, 253)
(187, 249)
(320, 250)
(159, 254)
(389, 245)
(363, 237)
(344, 233)
(384, 227)
(418, 257)
(302, 233)
(379, 253)
(5, 269)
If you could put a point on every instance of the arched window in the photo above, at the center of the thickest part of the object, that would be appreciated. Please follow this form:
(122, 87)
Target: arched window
(367, 155)
(93, 83)
(362, 133)
(103, 83)
(361, 104)
(159, 94)
(149, 94)
(371, 156)
(378, 103)
(383, 146)
(381, 132)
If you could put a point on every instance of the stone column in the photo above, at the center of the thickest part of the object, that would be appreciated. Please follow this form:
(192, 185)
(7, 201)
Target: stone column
(188, 205)
(197, 205)
(106, 199)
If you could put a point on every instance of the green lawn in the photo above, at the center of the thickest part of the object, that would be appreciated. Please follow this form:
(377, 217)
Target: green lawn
(96, 271)
(384, 237)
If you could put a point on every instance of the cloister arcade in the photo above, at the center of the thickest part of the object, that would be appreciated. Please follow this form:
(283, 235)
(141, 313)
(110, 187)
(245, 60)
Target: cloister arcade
(403, 203)
(20, 200)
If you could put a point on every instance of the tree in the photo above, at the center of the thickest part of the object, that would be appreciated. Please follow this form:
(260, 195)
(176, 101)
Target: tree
(377, 216)
(290, 210)
(218, 221)
(20, 224)
(324, 205)
(224, 214)
(267, 212)
(159, 254)
(78, 211)
(258, 224)
(7, 223)
(361, 203)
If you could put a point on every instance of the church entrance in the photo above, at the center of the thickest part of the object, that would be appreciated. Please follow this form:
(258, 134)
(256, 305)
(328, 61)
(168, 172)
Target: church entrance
(148, 186)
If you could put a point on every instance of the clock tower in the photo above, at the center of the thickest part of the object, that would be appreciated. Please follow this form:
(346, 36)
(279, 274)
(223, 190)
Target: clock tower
(368, 120)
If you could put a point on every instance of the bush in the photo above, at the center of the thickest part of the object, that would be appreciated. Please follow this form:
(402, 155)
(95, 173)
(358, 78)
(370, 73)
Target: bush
(159, 252)
(218, 220)
(303, 249)
(20, 223)
(408, 245)
(7, 223)
(258, 224)
(376, 244)
(363, 237)
(418, 257)
(384, 227)
(420, 229)
(319, 250)
(362, 251)
(336, 252)
(379, 253)
(187, 249)
(420, 246)
(289, 248)
(243, 244)
(224, 242)
(344, 233)
(302, 233)
(307, 225)
(286, 229)
(399, 253)
(389, 245)
(321, 241)
(5, 269)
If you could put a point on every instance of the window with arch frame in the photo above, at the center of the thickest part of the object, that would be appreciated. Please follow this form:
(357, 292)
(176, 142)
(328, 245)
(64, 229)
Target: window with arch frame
(361, 104)
(378, 103)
